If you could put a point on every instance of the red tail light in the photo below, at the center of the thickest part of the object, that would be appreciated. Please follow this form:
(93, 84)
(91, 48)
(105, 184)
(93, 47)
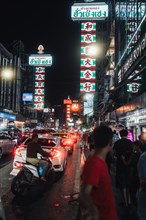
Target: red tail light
(67, 143)
(17, 164)
(18, 151)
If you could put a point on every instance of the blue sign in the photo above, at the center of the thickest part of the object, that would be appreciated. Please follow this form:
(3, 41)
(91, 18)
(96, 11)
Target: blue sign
(27, 97)
(7, 116)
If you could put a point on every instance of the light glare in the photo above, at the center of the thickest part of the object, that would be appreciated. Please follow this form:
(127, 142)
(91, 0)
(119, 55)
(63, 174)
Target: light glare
(7, 73)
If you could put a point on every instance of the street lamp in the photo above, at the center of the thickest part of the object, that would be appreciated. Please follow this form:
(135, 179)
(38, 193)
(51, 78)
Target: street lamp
(7, 73)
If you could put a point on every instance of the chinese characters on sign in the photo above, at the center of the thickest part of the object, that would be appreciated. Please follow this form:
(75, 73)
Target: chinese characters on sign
(39, 88)
(87, 63)
(87, 87)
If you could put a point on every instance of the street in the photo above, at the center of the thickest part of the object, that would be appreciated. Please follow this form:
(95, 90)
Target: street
(53, 204)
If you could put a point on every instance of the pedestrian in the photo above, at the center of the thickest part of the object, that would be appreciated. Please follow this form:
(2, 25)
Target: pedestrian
(133, 161)
(141, 195)
(96, 197)
(123, 149)
(90, 142)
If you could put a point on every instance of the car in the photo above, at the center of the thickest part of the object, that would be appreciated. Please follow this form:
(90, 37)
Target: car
(66, 141)
(49, 144)
(74, 136)
(7, 144)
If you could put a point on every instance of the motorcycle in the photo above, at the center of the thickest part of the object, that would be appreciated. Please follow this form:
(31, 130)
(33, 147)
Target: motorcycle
(28, 182)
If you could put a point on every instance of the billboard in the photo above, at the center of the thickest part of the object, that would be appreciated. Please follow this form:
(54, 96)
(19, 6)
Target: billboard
(89, 11)
(27, 97)
(40, 60)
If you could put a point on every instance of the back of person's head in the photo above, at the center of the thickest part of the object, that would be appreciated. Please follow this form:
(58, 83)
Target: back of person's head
(34, 136)
(123, 133)
(102, 135)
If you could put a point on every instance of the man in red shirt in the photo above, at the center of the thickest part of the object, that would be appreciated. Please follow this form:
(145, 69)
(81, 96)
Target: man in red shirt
(96, 197)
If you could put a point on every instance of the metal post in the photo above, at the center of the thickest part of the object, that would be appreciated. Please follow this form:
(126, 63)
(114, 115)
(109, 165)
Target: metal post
(14, 86)
(5, 87)
(18, 86)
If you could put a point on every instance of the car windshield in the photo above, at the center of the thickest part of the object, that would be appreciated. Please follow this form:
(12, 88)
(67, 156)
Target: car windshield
(43, 142)
(43, 131)
(60, 135)
(40, 131)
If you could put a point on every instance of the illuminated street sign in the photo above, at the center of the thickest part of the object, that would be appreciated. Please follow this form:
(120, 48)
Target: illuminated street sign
(87, 87)
(40, 60)
(89, 11)
(88, 26)
(88, 38)
(87, 75)
(88, 62)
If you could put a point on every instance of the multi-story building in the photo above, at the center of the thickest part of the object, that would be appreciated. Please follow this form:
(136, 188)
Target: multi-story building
(13, 109)
(130, 65)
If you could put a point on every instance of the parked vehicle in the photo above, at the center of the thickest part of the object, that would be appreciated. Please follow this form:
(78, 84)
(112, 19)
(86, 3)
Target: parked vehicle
(48, 143)
(7, 144)
(28, 182)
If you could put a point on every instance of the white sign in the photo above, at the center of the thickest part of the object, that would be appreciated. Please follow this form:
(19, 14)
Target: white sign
(40, 60)
(89, 11)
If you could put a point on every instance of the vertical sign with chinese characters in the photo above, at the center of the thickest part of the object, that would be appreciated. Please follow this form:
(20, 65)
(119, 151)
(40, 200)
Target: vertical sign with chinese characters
(40, 61)
(68, 103)
(87, 63)
(39, 88)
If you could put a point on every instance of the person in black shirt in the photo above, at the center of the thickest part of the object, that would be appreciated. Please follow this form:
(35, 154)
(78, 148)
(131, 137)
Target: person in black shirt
(33, 148)
(133, 161)
(123, 148)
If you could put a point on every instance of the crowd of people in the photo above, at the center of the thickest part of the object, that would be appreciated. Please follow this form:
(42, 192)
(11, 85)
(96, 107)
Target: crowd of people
(96, 196)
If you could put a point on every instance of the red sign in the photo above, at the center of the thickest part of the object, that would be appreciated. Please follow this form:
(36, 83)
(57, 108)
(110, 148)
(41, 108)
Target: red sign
(67, 101)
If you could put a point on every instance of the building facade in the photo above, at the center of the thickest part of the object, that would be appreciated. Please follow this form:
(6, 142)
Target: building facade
(130, 65)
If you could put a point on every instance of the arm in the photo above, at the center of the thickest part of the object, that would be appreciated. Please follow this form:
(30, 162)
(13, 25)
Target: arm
(88, 209)
(42, 152)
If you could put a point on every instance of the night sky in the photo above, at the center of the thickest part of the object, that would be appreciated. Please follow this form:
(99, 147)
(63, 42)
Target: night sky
(48, 23)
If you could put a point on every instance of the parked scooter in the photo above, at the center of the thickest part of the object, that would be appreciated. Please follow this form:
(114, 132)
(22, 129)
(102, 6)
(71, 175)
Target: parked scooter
(28, 182)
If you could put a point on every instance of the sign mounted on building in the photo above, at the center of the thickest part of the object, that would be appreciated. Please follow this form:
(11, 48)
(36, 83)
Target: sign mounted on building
(40, 61)
(136, 54)
(67, 101)
(27, 97)
(88, 38)
(7, 116)
(123, 10)
(87, 87)
(88, 27)
(89, 11)
(87, 75)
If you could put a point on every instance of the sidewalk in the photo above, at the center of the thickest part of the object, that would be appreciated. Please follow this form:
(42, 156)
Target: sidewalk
(124, 213)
